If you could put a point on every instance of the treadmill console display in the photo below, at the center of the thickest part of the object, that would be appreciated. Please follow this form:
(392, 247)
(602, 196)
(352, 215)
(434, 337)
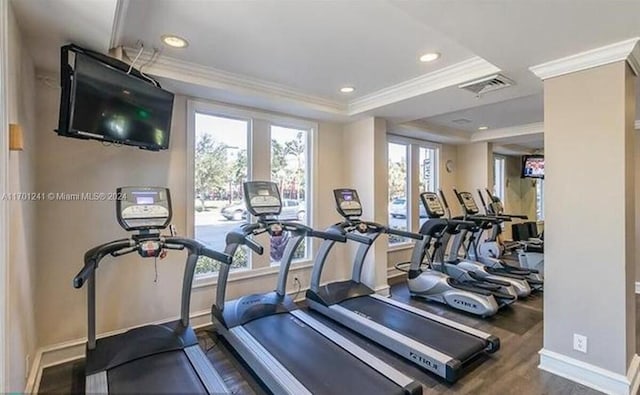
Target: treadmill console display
(432, 204)
(143, 208)
(468, 202)
(262, 198)
(348, 202)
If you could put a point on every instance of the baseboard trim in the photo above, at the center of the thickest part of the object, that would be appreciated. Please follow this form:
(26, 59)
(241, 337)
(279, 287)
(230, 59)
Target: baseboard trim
(592, 376)
(72, 350)
(392, 272)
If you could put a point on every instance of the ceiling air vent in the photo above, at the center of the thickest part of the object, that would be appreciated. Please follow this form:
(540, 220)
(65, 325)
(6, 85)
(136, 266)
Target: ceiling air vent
(487, 84)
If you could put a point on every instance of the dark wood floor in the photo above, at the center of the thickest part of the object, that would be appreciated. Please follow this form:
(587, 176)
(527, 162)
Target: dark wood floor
(512, 370)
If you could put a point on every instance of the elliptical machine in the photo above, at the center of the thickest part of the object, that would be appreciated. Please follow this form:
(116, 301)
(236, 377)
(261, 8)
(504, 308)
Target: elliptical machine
(484, 222)
(468, 268)
(529, 250)
(460, 292)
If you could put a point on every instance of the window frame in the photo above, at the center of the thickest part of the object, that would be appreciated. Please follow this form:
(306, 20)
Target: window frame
(254, 152)
(540, 208)
(413, 182)
(503, 181)
(310, 209)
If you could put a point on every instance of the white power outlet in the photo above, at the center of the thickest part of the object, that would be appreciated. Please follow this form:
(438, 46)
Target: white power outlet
(580, 343)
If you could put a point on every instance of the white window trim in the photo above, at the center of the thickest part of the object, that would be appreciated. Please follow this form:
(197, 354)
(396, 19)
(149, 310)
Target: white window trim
(311, 175)
(396, 139)
(250, 115)
(4, 187)
(503, 187)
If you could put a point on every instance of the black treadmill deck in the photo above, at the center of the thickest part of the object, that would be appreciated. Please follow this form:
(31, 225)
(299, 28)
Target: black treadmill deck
(450, 341)
(319, 364)
(166, 373)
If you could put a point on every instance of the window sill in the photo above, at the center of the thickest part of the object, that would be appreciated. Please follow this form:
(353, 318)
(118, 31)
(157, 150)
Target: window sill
(400, 246)
(210, 280)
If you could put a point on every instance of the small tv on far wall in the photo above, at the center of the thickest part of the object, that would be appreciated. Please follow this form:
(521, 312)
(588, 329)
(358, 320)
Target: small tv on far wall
(106, 99)
(533, 166)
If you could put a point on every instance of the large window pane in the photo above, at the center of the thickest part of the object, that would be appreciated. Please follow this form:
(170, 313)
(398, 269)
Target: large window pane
(398, 190)
(221, 166)
(289, 169)
(428, 176)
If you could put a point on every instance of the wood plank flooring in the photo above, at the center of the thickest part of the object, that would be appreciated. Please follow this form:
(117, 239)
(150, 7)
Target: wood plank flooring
(512, 370)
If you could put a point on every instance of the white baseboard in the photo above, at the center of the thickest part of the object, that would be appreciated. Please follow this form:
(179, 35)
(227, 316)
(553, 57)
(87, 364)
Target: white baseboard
(638, 287)
(60, 353)
(590, 375)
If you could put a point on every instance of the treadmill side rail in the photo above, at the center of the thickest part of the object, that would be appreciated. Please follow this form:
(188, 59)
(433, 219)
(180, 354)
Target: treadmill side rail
(494, 342)
(265, 365)
(383, 368)
(421, 354)
(209, 376)
(97, 383)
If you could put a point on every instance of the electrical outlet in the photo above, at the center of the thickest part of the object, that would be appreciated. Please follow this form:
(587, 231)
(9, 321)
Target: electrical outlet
(580, 343)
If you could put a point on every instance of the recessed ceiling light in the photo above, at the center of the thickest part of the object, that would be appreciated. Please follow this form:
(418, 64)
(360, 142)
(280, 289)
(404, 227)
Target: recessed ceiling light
(174, 41)
(429, 57)
(347, 89)
(483, 128)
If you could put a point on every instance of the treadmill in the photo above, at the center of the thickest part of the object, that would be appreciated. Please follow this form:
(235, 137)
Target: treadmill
(436, 344)
(160, 358)
(290, 351)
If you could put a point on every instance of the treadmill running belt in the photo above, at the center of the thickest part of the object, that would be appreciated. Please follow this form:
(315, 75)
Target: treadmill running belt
(168, 373)
(318, 363)
(455, 343)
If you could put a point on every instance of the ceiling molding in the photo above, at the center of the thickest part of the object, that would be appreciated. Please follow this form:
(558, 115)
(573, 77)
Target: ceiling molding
(118, 22)
(620, 51)
(512, 149)
(191, 73)
(503, 133)
(433, 133)
(453, 75)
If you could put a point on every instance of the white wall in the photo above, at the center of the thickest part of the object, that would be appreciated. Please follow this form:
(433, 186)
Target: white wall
(475, 168)
(22, 262)
(126, 292)
(599, 244)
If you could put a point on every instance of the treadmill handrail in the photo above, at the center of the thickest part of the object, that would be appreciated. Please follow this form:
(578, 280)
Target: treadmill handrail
(94, 256)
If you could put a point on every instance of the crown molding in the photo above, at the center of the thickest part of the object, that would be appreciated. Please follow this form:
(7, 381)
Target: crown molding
(191, 73)
(626, 50)
(453, 75)
(513, 131)
(433, 133)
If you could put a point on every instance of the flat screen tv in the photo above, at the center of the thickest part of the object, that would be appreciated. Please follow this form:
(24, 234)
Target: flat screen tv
(103, 99)
(533, 166)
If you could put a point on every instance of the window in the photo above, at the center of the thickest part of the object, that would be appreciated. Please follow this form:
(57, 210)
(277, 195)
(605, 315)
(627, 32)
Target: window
(499, 178)
(540, 199)
(428, 176)
(220, 168)
(228, 146)
(289, 169)
(398, 191)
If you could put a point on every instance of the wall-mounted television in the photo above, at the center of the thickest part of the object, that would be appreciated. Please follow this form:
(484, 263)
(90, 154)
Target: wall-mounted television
(103, 99)
(533, 166)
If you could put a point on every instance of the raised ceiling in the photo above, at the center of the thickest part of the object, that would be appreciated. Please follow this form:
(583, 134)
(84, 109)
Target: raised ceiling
(299, 53)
